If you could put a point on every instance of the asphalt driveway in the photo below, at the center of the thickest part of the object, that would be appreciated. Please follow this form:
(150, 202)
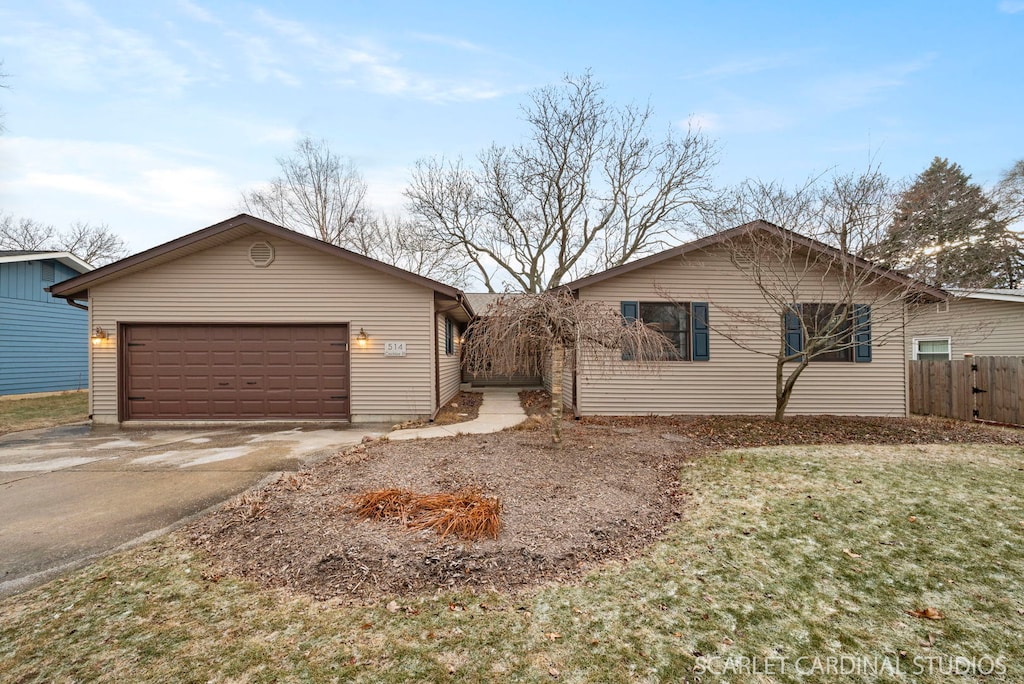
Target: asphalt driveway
(73, 493)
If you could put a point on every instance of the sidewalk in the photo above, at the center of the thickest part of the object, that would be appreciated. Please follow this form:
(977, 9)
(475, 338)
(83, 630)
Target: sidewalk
(500, 409)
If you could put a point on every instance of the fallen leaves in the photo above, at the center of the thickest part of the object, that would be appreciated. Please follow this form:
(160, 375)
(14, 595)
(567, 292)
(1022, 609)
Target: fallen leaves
(851, 554)
(928, 613)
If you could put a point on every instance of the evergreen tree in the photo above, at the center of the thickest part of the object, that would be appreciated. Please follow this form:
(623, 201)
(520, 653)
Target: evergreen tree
(946, 231)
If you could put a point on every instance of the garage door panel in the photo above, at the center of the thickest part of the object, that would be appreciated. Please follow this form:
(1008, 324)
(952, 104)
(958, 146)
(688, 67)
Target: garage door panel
(236, 371)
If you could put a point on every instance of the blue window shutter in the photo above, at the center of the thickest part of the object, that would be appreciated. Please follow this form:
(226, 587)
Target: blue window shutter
(630, 312)
(862, 333)
(701, 333)
(794, 331)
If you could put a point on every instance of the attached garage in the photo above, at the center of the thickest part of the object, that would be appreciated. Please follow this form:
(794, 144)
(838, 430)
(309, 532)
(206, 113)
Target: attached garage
(247, 320)
(240, 372)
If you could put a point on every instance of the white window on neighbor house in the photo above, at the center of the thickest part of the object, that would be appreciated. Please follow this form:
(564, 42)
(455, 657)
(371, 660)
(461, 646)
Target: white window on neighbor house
(931, 349)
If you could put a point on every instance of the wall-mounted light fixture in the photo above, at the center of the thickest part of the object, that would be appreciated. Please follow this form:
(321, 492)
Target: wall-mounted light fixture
(98, 335)
(362, 337)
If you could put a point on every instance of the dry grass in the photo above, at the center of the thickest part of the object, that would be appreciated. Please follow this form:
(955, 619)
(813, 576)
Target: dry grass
(378, 504)
(786, 557)
(467, 514)
(41, 412)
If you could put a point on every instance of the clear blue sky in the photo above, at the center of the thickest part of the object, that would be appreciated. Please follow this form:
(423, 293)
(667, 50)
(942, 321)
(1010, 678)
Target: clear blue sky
(153, 116)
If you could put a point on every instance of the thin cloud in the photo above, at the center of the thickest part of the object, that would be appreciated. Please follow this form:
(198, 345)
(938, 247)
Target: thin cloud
(447, 41)
(857, 88)
(95, 55)
(358, 62)
(262, 61)
(1011, 6)
(742, 67)
(118, 175)
(741, 116)
(197, 13)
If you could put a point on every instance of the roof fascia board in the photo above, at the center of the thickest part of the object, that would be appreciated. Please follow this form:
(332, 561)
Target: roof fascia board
(76, 286)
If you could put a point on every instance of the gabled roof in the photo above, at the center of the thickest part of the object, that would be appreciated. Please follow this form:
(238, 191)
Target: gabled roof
(759, 225)
(997, 294)
(66, 258)
(227, 231)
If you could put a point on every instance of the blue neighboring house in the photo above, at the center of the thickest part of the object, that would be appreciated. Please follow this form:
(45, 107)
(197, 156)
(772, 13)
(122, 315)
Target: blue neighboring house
(44, 343)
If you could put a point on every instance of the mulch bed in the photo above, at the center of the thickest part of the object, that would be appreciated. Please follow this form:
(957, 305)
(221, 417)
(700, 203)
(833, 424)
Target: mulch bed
(607, 494)
(463, 407)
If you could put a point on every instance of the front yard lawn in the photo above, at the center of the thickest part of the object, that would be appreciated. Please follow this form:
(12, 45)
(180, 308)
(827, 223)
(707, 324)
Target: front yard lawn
(40, 412)
(787, 564)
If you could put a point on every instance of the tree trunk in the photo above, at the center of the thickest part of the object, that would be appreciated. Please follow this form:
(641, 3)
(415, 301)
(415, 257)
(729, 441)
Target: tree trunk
(784, 387)
(557, 362)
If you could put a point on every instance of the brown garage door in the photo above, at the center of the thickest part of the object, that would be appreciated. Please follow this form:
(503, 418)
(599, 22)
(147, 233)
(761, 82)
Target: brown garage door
(192, 372)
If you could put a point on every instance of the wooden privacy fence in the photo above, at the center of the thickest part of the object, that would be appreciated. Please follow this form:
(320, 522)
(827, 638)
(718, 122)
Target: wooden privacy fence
(988, 388)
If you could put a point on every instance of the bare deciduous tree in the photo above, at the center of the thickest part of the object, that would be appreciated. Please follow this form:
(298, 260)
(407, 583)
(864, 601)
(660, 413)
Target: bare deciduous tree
(317, 193)
(94, 244)
(589, 189)
(321, 194)
(518, 332)
(401, 242)
(818, 298)
(25, 233)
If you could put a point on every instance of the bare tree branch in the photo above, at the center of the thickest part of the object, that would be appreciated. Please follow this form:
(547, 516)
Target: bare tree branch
(813, 279)
(95, 245)
(589, 189)
(317, 193)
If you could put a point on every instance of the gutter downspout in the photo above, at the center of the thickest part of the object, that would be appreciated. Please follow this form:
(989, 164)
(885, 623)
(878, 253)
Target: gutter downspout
(72, 302)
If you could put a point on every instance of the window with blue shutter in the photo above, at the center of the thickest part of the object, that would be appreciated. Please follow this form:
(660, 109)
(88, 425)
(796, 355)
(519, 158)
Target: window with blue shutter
(835, 332)
(794, 330)
(630, 312)
(862, 334)
(701, 331)
(684, 325)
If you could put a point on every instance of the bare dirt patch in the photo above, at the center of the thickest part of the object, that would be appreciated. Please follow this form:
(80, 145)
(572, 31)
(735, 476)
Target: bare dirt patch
(607, 494)
(462, 407)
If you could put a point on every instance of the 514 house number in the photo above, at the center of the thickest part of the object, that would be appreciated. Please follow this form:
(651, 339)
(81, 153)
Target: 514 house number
(394, 349)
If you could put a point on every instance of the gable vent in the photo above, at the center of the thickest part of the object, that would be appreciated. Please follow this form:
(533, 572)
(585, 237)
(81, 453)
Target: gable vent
(261, 254)
(48, 271)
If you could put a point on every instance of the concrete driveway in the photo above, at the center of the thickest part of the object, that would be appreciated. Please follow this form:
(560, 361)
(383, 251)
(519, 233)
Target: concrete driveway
(73, 493)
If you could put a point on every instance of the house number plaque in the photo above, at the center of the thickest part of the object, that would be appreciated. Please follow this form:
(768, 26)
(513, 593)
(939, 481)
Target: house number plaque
(394, 349)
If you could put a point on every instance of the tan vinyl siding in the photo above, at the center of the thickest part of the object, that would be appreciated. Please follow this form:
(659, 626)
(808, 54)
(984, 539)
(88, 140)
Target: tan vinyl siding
(450, 368)
(734, 380)
(220, 285)
(983, 327)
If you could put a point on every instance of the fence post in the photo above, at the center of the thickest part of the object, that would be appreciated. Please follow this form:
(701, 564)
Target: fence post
(969, 358)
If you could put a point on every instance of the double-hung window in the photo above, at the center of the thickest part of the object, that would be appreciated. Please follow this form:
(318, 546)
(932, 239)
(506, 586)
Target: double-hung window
(828, 332)
(684, 324)
(932, 349)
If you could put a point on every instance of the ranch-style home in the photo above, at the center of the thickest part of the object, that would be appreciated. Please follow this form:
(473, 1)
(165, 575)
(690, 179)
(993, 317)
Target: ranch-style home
(697, 295)
(986, 322)
(247, 320)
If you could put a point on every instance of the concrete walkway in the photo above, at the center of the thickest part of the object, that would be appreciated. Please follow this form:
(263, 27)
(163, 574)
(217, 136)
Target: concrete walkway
(500, 409)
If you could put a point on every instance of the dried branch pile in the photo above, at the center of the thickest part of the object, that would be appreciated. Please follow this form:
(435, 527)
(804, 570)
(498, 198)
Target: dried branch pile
(467, 514)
